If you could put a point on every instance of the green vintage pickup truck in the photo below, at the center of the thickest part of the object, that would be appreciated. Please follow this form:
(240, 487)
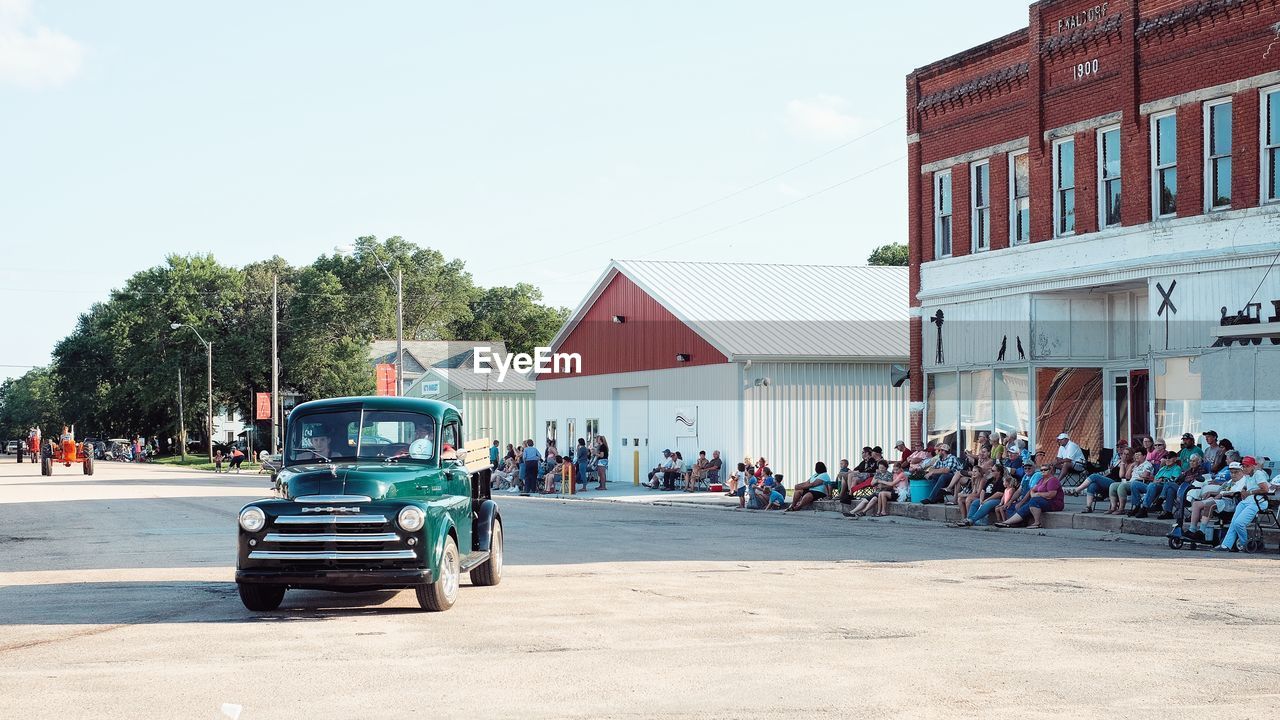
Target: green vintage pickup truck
(374, 493)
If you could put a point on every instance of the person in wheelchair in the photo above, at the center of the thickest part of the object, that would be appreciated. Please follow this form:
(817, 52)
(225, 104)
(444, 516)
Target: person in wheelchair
(1250, 490)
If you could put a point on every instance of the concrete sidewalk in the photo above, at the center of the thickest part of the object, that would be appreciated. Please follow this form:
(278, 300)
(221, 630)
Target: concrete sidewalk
(1070, 517)
(631, 493)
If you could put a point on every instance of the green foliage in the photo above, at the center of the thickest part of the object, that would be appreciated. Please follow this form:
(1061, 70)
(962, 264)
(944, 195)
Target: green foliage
(891, 254)
(514, 314)
(326, 356)
(28, 401)
(117, 372)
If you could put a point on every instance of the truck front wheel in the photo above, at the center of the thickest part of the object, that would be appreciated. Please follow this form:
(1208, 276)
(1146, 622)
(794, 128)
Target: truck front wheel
(261, 598)
(440, 594)
(490, 573)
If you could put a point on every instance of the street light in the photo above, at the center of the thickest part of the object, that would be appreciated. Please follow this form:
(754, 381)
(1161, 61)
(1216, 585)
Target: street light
(208, 346)
(398, 281)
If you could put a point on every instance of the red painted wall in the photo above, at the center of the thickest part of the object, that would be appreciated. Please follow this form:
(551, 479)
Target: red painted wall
(650, 338)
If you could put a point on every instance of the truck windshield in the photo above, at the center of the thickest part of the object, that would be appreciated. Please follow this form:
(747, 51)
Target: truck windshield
(362, 435)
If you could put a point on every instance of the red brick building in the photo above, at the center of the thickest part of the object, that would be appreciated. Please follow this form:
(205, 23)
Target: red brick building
(1092, 199)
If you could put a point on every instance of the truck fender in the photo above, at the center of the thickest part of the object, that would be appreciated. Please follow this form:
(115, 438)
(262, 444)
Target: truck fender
(437, 548)
(483, 524)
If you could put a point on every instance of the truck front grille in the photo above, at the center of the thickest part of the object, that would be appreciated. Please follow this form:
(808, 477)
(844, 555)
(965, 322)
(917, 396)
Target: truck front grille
(311, 541)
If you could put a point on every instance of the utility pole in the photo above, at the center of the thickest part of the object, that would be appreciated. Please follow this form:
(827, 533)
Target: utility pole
(209, 347)
(398, 281)
(275, 366)
(182, 422)
(399, 331)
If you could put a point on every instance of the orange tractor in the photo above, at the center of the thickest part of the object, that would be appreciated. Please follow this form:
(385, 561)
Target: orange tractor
(65, 451)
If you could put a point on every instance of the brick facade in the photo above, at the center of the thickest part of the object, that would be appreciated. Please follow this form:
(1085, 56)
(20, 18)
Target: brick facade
(1078, 66)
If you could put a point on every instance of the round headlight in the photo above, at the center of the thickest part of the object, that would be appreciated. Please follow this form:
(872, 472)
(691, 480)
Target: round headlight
(252, 519)
(411, 518)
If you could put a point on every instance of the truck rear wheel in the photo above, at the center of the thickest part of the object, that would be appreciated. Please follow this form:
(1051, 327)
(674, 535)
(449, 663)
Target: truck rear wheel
(490, 572)
(440, 595)
(88, 466)
(261, 598)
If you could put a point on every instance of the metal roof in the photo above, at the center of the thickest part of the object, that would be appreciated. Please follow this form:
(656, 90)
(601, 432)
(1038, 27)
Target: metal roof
(464, 378)
(759, 311)
(433, 353)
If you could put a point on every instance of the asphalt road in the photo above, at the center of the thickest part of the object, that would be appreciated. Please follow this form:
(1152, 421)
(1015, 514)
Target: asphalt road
(116, 600)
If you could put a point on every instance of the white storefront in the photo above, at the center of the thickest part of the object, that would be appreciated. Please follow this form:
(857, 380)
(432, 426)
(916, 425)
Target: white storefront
(1111, 334)
(808, 374)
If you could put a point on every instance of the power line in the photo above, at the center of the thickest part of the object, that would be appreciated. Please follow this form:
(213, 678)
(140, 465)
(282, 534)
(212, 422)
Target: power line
(1264, 279)
(783, 206)
(720, 199)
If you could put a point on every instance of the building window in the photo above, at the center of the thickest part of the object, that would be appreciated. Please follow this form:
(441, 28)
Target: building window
(1064, 187)
(1177, 399)
(942, 214)
(1109, 177)
(980, 215)
(1217, 154)
(942, 408)
(1019, 198)
(1164, 165)
(1271, 146)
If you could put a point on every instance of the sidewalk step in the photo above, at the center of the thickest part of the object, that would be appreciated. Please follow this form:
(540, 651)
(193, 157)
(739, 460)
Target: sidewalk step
(1052, 521)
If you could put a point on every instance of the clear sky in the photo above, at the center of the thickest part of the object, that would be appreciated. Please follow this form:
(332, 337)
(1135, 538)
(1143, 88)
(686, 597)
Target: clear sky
(531, 139)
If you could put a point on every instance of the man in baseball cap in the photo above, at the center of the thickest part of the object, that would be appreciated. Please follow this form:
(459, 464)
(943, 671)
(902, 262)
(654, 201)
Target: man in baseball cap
(903, 450)
(1251, 488)
(1070, 457)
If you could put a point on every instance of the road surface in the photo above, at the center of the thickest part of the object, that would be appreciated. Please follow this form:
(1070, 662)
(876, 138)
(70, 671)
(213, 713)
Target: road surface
(117, 600)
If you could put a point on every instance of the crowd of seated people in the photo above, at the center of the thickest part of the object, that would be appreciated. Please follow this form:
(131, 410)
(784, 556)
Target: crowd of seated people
(674, 473)
(998, 481)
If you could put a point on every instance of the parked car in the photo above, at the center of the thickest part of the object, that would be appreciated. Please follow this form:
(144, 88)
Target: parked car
(12, 446)
(399, 508)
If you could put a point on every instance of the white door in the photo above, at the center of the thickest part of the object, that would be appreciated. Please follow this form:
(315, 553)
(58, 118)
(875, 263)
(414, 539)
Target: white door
(631, 418)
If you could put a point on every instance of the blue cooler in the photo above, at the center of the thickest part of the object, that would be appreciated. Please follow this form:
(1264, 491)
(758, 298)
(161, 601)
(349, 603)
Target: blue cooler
(920, 489)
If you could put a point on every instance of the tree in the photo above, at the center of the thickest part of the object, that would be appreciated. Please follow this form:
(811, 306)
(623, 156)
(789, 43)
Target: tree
(891, 254)
(248, 337)
(27, 401)
(436, 291)
(512, 314)
(125, 354)
(325, 356)
(116, 373)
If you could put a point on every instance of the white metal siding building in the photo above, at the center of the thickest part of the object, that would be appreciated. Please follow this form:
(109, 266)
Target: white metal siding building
(501, 411)
(678, 355)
